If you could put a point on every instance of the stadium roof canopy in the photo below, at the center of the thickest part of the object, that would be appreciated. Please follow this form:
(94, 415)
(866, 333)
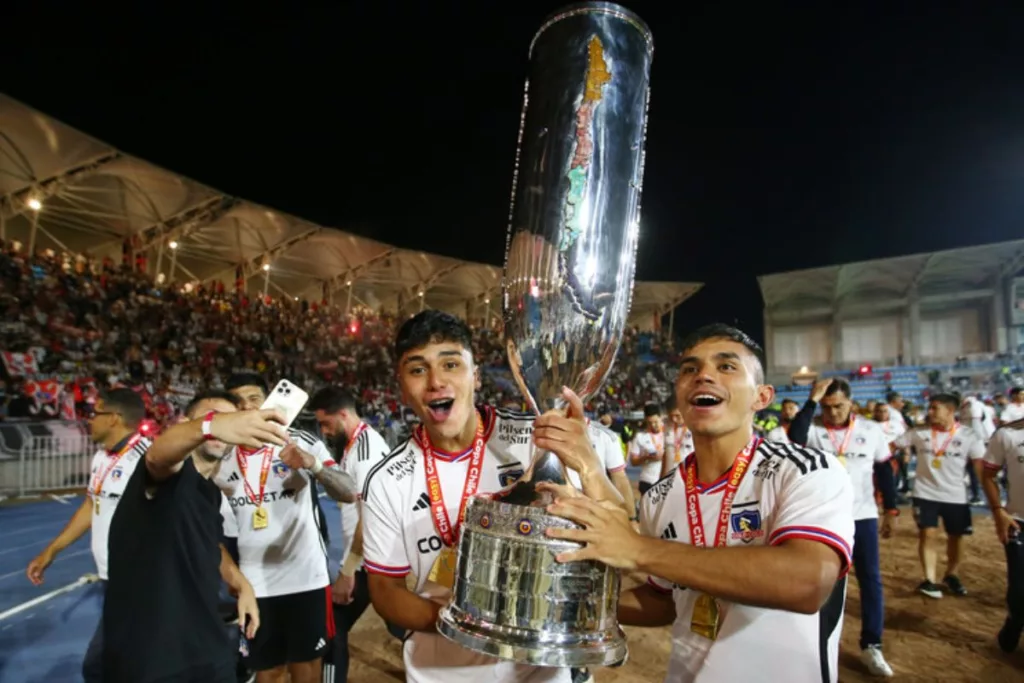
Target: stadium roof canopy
(939, 278)
(93, 197)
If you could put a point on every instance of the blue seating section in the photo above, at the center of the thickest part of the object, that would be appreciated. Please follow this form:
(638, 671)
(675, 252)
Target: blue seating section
(907, 379)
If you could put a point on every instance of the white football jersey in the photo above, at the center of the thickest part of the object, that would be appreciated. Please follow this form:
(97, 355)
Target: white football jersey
(941, 479)
(779, 435)
(288, 556)
(399, 537)
(110, 474)
(1012, 412)
(362, 453)
(228, 522)
(865, 446)
(788, 492)
(648, 443)
(608, 446)
(892, 430)
(678, 444)
(1006, 448)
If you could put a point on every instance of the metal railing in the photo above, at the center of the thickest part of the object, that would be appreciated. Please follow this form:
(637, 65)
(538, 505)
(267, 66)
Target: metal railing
(40, 457)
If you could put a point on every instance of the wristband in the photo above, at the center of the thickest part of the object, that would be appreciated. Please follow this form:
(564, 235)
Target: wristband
(317, 467)
(207, 426)
(351, 564)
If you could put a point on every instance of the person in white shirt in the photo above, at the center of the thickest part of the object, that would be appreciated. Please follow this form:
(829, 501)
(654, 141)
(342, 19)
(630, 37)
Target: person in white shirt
(114, 426)
(896, 405)
(893, 430)
(358, 448)
(1006, 449)
(678, 439)
(945, 449)
(608, 446)
(1014, 410)
(747, 544)
(647, 449)
(414, 500)
(862, 447)
(281, 545)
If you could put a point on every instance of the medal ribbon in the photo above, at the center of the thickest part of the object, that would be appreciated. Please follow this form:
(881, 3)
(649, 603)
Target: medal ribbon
(355, 437)
(442, 523)
(693, 514)
(97, 482)
(939, 452)
(841, 449)
(243, 458)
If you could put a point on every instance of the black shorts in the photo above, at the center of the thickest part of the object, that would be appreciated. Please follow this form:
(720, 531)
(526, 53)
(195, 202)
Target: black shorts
(956, 517)
(294, 628)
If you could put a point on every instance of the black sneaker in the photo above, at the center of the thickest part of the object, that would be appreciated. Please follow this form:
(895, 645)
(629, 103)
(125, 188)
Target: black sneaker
(1009, 635)
(581, 676)
(953, 584)
(932, 590)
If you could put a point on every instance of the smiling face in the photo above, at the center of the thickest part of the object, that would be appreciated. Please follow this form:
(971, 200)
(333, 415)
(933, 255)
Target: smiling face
(438, 383)
(719, 387)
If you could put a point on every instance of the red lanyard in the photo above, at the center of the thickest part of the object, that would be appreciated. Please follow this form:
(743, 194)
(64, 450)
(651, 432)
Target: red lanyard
(437, 509)
(97, 481)
(680, 433)
(355, 437)
(841, 449)
(243, 460)
(693, 514)
(939, 452)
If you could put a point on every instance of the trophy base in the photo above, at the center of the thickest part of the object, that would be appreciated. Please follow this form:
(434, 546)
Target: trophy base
(530, 647)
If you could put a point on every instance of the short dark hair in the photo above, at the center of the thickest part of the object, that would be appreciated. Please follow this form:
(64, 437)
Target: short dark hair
(789, 400)
(431, 327)
(1014, 391)
(332, 399)
(246, 379)
(723, 331)
(652, 409)
(946, 398)
(128, 404)
(837, 385)
(212, 395)
(891, 396)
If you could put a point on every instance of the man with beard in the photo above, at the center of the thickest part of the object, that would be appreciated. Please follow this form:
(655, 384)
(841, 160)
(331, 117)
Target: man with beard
(357, 448)
(747, 543)
(161, 618)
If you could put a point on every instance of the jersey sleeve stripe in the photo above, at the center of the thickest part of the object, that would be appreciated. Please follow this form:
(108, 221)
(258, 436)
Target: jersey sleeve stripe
(991, 466)
(658, 587)
(381, 464)
(385, 570)
(813, 533)
(616, 469)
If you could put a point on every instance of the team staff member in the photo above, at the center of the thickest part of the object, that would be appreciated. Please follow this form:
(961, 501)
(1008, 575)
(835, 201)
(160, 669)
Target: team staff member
(647, 449)
(162, 622)
(862, 447)
(945, 449)
(359, 448)
(114, 426)
(747, 543)
(281, 550)
(414, 500)
(678, 439)
(1006, 449)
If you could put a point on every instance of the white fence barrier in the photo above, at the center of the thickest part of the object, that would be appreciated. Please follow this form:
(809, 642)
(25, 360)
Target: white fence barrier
(36, 457)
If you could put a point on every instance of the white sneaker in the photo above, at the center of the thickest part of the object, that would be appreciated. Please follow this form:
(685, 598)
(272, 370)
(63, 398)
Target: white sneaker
(872, 658)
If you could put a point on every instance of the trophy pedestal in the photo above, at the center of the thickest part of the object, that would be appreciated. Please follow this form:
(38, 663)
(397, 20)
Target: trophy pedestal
(512, 600)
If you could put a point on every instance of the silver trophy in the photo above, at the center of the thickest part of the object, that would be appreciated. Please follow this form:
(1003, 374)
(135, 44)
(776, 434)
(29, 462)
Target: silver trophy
(569, 266)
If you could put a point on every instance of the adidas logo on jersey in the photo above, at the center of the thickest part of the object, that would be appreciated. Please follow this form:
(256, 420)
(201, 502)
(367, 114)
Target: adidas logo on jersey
(234, 477)
(669, 534)
(422, 503)
(321, 644)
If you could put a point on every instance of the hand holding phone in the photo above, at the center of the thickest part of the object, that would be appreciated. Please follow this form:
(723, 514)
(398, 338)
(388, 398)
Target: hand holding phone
(288, 399)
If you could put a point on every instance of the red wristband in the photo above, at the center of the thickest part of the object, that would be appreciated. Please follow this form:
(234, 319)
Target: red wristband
(208, 426)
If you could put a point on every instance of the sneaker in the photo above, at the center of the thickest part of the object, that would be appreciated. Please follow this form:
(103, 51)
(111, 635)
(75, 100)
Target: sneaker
(953, 584)
(1009, 636)
(932, 590)
(581, 676)
(872, 658)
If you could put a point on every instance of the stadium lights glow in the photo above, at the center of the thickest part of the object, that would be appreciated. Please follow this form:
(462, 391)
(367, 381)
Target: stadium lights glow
(296, 298)
(421, 292)
(34, 204)
(348, 283)
(804, 370)
(172, 244)
(266, 267)
(487, 301)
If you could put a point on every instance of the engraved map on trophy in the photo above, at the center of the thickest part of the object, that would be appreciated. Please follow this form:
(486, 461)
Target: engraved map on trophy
(569, 268)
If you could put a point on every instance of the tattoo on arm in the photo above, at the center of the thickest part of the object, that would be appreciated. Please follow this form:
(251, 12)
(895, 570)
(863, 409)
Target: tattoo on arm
(340, 486)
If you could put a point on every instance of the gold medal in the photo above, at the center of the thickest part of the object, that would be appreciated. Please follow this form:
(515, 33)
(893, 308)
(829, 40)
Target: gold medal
(841, 457)
(443, 571)
(937, 463)
(705, 619)
(260, 518)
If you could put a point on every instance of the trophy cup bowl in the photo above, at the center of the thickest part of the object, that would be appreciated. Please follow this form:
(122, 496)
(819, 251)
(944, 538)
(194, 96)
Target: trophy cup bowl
(569, 267)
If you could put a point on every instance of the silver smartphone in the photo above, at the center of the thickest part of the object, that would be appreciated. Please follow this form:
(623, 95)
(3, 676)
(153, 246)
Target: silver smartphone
(287, 398)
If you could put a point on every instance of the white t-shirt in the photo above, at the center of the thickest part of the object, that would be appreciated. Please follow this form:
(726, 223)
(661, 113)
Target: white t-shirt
(896, 420)
(110, 474)
(648, 443)
(288, 556)
(941, 479)
(1007, 448)
(892, 430)
(399, 537)
(229, 523)
(975, 415)
(678, 443)
(779, 435)
(1012, 412)
(362, 453)
(608, 447)
(865, 446)
(788, 492)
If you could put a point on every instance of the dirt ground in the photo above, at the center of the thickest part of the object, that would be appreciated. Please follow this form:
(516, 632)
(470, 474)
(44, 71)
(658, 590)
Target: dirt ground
(951, 640)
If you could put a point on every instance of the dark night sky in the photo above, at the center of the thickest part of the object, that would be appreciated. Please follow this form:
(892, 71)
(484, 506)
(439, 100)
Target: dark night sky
(781, 136)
